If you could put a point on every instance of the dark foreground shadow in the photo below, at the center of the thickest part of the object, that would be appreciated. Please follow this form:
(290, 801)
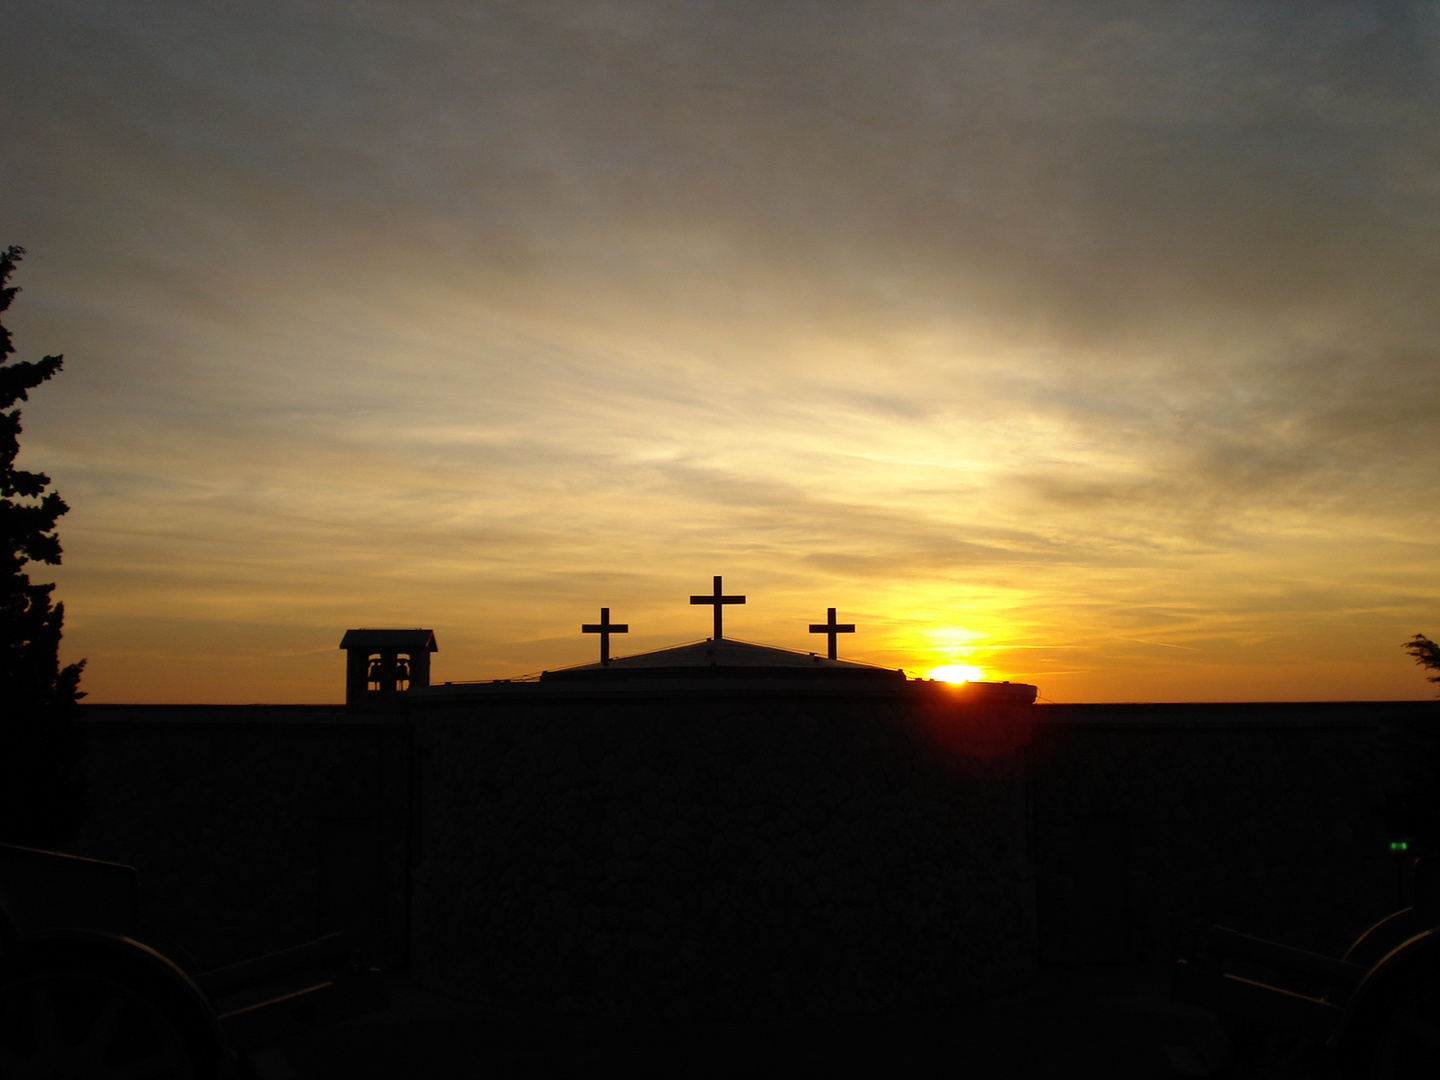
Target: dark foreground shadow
(1111, 1022)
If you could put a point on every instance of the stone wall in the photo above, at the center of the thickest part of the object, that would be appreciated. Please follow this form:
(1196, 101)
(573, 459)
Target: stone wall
(253, 828)
(719, 853)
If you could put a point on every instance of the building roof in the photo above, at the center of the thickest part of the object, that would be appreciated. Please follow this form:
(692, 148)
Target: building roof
(403, 640)
(725, 658)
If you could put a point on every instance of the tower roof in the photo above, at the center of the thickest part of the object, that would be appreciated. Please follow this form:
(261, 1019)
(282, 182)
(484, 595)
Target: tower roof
(724, 658)
(413, 640)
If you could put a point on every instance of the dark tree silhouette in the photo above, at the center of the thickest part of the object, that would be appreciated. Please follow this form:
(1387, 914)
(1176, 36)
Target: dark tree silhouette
(42, 799)
(1426, 654)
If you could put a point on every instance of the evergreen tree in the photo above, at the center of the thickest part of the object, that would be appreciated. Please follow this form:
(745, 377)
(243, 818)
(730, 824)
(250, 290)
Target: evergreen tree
(1426, 654)
(42, 798)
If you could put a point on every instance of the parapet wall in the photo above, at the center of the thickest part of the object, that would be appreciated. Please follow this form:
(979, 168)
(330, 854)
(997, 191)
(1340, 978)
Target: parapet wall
(724, 852)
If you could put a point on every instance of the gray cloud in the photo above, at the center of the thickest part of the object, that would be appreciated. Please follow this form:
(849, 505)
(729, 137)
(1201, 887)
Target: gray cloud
(1127, 303)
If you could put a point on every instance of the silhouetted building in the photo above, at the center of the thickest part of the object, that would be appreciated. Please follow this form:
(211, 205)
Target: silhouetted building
(380, 665)
(724, 827)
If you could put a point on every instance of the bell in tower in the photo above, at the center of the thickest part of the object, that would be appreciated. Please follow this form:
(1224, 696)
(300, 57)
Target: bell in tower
(382, 664)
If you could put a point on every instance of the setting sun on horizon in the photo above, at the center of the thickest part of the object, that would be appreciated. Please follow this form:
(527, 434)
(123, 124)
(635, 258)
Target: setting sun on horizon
(956, 673)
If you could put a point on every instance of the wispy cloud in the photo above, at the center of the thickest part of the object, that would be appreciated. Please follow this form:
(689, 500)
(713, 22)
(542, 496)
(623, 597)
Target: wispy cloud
(1089, 332)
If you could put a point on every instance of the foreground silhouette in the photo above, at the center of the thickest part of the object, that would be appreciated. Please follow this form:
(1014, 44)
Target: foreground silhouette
(1426, 654)
(42, 798)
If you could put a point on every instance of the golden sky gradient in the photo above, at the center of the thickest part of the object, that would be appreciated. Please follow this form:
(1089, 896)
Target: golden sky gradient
(1092, 344)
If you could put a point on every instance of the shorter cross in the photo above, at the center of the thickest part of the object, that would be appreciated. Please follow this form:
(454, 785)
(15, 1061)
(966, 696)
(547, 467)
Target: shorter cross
(831, 627)
(605, 628)
(717, 599)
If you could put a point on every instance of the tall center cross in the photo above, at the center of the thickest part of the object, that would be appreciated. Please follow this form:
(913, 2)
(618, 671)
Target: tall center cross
(605, 628)
(831, 627)
(717, 599)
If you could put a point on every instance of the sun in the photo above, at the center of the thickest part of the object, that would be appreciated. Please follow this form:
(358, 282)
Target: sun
(956, 673)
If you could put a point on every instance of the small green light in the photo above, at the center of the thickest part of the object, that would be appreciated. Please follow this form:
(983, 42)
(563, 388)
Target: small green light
(1399, 845)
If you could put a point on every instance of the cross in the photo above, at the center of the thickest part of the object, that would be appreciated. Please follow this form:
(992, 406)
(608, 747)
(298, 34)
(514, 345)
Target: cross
(831, 627)
(717, 600)
(605, 628)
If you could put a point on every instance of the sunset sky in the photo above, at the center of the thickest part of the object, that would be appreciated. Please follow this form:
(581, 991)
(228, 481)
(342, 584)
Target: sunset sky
(1095, 344)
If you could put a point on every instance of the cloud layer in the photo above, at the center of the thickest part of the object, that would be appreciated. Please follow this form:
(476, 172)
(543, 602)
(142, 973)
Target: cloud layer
(1093, 344)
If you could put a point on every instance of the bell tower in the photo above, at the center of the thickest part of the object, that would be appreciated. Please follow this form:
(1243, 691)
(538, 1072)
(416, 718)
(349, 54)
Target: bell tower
(380, 665)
